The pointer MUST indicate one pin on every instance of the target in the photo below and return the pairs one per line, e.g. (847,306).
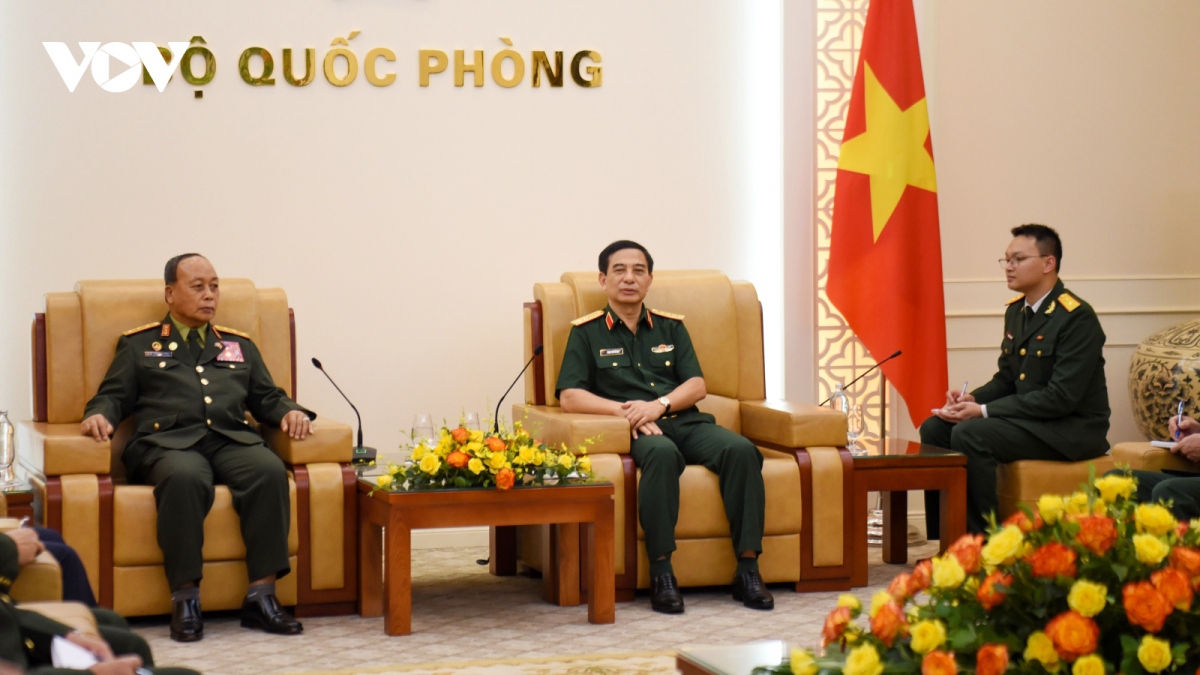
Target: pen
(24,521)
(1179,420)
(963,392)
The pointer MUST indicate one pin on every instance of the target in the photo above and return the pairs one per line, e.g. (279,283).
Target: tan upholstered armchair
(80,486)
(1145,457)
(808,476)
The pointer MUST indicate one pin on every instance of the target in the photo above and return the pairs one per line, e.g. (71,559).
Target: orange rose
(505,478)
(1186,560)
(458,459)
(495,444)
(835,625)
(460,435)
(1022,521)
(922,576)
(1096,533)
(938,662)
(1145,605)
(1052,560)
(991,659)
(1174,586)
(1181,528)
(888,622)
(967,549)
(898,589)
(1073,635)
(988,595)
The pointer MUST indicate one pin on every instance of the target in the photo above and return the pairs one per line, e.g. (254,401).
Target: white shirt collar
(1037,304)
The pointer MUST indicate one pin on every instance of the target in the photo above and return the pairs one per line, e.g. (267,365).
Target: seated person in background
(603,373)
(25,636)
(1179,487)
(1048,399)
(189,384)
(76,587)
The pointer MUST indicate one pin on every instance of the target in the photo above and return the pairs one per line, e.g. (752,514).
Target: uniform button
(208,400)
(1039,353)
(668,363)
(231,366)
(204,381)
(1022,351)
(1022,376)
(199,369)
(245,421)
(651,384)
(162,364)
(639,365)
(209,422)
(614,364)
(156,426)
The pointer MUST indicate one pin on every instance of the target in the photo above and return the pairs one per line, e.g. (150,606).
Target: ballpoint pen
(1179,420)
(963,392)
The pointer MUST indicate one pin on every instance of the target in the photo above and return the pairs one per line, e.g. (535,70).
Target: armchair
(80,487)
(808,475)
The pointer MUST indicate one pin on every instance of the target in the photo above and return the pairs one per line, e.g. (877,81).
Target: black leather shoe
(186,623)
(264,612)
(749,589)
(664,595)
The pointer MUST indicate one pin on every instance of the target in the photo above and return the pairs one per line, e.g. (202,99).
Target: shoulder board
(1019,297)
(232,331)
(1068,302)
(133,331)
(669,315)
(590,317)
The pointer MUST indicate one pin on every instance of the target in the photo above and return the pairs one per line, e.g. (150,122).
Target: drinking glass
(471,421)
(422,430)
(854,427)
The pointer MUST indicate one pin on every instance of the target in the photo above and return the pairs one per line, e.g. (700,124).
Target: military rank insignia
(1068,302)
(662,349)
(231,352)
(158,354)
(619,351)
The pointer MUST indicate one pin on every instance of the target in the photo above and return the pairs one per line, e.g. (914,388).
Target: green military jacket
(607,359)
(1050,379)
(175,398)
(24,636)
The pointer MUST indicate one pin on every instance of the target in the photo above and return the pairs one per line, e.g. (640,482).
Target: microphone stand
(363,456)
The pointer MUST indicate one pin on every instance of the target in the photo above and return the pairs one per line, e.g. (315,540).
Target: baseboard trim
(450,537)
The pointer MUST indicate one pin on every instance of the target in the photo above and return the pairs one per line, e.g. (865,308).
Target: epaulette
(669,315)
(590,317)
(1019,297)
(232,331)
(133,331)
(1068,302)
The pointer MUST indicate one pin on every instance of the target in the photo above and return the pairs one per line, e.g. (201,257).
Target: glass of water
(422,430)
(854,427)
(471,421)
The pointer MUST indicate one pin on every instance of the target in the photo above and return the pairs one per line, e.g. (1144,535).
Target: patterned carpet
(461,613)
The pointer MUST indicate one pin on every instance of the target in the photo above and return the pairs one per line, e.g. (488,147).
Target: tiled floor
(461,612)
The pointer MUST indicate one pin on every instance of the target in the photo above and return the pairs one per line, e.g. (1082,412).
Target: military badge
(662,349)
(231,352)
(166,330)
(158,354)
(1050,309)
(1068,302)
(1008,336)
(619,351)
(156,346)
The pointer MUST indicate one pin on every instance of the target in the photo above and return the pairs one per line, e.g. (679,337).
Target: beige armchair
(1145,457)
(80,486)
(808,476)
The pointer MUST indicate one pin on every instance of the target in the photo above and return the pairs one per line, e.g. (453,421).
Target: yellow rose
(384,480)
(1155,519)
(473,448)
(497,460)
(863,660)
(803,662)
(1039,647)
(566,460)
(1077,505)
(1003,546)
(947,572)
(1111,487)
(585,464)
(539,458)
(1051,508)
(525,456)
(879,600)
(972,584)
(475,465)
(476,436)
(430,463)
(1150,549)
(1087,597)
(1154,654)
(419,452)
(927,636)
(1088,665)
(445,444)
(851,601)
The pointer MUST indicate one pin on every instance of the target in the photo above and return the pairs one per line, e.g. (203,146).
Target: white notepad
(1163,444)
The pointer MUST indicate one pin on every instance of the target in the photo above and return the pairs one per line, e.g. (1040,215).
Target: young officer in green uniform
(638,363)
(189,384)
(1180,488)
(1048,399)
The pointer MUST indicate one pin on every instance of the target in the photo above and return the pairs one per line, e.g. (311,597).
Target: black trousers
(76,587)
(1178,487)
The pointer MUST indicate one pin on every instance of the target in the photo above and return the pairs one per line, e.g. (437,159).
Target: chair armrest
(60,450)
(792,425)
(39,580)
(552,426)
(73,614)
(331,441)
(1145,457)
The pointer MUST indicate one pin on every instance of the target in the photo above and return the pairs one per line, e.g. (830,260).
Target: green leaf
(962,638)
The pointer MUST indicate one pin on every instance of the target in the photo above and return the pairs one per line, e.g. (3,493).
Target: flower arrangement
(471,458)
(1091,583)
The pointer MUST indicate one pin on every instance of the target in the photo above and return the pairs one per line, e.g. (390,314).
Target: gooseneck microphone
(845,388)
(537,351)
(362,455)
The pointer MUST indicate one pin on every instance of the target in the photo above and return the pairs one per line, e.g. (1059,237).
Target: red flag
(885,260)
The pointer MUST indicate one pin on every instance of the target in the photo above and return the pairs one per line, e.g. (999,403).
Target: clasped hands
(642,416)
(110,664)
(295,424)
(1186,435)
(960,406)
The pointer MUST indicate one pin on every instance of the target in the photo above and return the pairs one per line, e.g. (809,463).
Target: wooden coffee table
(731,660)
(893,468)
(388,592)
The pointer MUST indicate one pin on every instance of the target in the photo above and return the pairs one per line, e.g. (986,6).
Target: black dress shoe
(264,612)
(186,623)
(664,595)
(749,589)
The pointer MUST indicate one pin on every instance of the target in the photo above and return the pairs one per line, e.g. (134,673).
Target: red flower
(922,576)
(991,659)
(495,444)
(888,622)
(1145,605)
(987,594)
(938,662)
(460,435)
(1174,586)
(967,550)
(1073,635)
(898,589)
(835,625)
(504,479)
(1053,560)
(1022,521)
(458,459)
(1186,560)
(1096,533)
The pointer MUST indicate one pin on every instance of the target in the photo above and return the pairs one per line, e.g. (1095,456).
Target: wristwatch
(666,402)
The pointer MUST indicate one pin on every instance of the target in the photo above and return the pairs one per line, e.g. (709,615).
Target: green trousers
(183,489)
(692,437)
(1180,488)
(987,443)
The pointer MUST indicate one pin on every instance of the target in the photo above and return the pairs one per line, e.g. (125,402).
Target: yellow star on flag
(891,151)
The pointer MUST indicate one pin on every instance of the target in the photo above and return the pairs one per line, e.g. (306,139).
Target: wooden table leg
(566,556)
(602,586)
(858,576)
(953,514)
(503,545)
(370,566)
(895,527)
(398,578)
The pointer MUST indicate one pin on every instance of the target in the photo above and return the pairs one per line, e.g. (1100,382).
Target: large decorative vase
(1165,369)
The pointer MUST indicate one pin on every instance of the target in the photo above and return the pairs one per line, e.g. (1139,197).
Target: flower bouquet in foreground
(471,458)
(1088,584)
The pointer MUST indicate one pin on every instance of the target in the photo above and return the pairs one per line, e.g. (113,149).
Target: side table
(20,502)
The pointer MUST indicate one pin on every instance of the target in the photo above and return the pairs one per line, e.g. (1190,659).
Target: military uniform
(191,431)
(1048,400)
(607,359)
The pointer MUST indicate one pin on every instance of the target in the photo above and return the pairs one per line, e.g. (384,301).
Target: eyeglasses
(1016,260)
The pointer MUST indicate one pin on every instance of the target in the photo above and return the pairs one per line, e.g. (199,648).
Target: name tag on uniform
(619,351)
(159,355)
(231,352)
(662,349)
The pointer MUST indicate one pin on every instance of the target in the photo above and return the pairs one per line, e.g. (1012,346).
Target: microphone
(845,388)
(537,351)
(362,455)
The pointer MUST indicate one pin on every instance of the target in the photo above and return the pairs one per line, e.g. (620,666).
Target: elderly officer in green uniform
(189,384)
(1048,400)
(638,363)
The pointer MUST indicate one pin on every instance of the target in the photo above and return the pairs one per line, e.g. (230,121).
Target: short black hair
(621,245)
(1048,241)
(171,272)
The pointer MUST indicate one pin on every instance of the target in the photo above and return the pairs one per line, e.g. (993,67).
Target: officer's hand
(96,646)
(296,424)
(29,545)
(1189,427)
(647,429)
(97,427)
(640,412)
(125,665)
(961,411)
(955,396)
(1188,447)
